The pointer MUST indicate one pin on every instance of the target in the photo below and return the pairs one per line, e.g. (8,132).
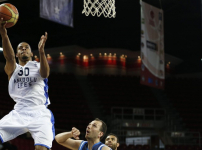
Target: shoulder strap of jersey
(82,145)
(101,146)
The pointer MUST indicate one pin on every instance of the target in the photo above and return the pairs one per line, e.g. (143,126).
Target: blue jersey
(97,146)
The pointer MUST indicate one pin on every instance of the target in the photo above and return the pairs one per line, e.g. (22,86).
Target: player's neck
(91,142)
(22,63)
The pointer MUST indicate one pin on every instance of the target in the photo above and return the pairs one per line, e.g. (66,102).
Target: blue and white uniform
(97,146)
(30,92)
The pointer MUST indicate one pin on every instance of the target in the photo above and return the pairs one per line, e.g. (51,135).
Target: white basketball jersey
(26,86)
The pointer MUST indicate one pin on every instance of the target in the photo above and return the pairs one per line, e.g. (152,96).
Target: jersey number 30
(26,72)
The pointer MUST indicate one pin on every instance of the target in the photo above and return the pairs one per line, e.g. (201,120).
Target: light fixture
(85,57)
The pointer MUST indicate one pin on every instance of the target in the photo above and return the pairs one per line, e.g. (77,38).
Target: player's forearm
(62,137)
(7,48)
(44,66)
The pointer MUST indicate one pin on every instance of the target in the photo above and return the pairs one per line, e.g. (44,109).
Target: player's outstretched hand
(42,42)
(3,27)
(75,133)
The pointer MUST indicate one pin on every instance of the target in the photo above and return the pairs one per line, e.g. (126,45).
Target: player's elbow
(58,139)
(44,74)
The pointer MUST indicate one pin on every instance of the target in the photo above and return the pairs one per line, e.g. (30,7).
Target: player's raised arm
(65,139)
(44,66)
(7,50)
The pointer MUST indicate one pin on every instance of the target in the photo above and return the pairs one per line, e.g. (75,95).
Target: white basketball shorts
(39,121)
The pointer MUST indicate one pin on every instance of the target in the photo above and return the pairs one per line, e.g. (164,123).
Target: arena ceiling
(182,28)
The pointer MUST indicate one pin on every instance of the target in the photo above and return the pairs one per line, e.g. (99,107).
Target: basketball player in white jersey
(28,88)
(95,131)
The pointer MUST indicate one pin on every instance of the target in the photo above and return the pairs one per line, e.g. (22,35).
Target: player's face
(93,130)
(24,52)
(111,141)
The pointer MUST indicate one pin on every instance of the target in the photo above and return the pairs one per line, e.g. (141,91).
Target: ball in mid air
(9,13)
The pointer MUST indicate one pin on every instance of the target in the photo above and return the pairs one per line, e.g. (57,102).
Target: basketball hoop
(99,7)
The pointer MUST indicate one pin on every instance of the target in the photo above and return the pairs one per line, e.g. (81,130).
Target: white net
(99,7)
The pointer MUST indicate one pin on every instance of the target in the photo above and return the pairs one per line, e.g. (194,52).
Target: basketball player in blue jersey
(95,131)
(112,141)
(28,88)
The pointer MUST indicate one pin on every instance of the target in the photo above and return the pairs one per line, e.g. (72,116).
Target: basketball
(9,13)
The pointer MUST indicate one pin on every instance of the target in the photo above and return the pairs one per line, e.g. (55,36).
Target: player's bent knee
(39,147)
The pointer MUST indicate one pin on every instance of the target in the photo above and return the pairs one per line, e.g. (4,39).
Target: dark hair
(114,135)
(23,42)
(103,128)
